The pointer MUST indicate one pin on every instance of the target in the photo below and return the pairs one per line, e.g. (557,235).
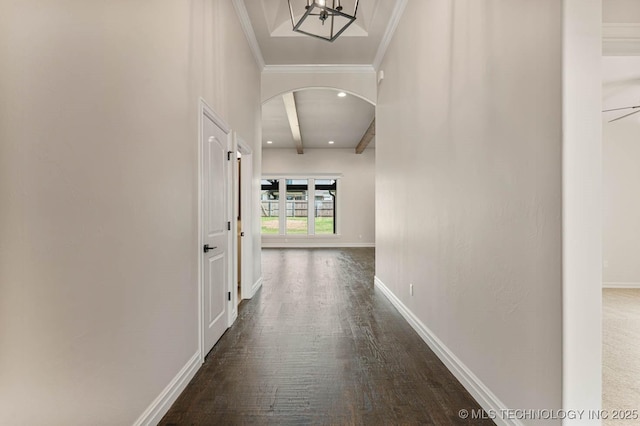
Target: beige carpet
(621,353)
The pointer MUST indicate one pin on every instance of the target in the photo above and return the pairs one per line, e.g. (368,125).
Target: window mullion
(311,207)
(282,205)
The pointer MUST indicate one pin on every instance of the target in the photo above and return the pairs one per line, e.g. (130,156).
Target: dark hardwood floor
(318,345)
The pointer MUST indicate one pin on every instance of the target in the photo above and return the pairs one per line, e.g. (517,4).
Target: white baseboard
(620,285)
(159,407)
(480,392)
(256,286)
(294,244)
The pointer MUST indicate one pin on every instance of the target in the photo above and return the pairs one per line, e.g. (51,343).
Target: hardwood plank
(319,345)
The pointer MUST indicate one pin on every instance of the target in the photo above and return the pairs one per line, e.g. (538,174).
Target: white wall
(469,135)
(98,197)
(621,154)
(621,11)
(356,198)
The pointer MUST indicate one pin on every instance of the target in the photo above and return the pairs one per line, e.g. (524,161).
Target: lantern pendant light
(323,19)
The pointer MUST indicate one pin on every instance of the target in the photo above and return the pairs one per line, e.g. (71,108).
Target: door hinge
(228,226)
(229,296)
(229,155)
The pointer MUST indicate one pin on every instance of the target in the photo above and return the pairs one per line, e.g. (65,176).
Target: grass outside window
(297,225)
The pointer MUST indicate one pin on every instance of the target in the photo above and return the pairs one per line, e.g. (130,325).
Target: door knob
(207,248)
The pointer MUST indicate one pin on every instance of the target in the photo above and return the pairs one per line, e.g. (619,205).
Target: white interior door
(215,238)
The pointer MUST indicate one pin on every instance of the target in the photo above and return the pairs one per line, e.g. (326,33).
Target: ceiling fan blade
(618,109)
(626,115)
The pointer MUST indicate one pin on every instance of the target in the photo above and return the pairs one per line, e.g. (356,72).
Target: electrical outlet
(411,289)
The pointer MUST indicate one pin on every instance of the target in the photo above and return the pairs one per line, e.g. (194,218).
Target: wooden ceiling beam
(367,137)
(292,115)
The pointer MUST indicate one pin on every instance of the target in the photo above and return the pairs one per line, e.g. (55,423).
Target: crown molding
(398,10)
(245,23)
(620,39)
(318,68)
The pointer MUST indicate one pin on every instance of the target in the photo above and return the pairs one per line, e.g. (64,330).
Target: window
(325,206)
(299,206)
(270,201)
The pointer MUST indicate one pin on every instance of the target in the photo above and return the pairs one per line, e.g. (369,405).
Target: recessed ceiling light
(331,142)
(342,95)
(269,142)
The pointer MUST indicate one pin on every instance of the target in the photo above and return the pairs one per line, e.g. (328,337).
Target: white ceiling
(621,11)
(323,117)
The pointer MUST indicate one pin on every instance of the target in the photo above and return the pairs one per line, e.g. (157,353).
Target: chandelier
(331,22)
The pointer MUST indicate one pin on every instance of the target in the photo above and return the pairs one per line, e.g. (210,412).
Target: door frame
(205,110)
(246,282)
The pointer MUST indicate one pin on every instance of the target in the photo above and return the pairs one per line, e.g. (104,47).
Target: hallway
(319,345)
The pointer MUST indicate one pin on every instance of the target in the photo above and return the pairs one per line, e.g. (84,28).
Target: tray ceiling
(280,45)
